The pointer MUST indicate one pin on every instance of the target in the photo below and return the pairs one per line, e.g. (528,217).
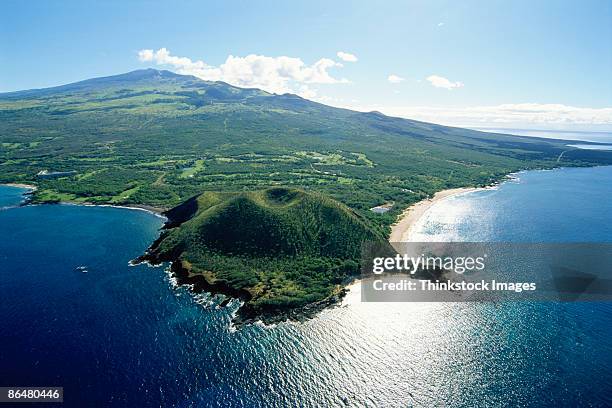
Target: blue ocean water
(11,196)
(127,337)
(561,205)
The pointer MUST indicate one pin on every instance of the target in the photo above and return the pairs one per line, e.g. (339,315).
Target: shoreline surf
(400,231)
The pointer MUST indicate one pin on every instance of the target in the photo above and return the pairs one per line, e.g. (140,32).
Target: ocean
(127,336)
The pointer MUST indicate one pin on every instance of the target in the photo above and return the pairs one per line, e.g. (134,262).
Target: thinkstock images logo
(479,271)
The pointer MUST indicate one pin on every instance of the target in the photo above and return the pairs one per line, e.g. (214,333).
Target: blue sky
(536,64)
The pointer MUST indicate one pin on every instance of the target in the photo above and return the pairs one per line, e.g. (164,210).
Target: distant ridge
(131,77)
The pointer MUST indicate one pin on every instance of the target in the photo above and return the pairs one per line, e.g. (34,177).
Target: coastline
(513,177)
(158,212)
(245,314)
(400,231)
(21,185)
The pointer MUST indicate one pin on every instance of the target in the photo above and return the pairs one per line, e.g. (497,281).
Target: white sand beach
(400,231)
(20,185)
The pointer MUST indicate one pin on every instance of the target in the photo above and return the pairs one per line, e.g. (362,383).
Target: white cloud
(441,82)
(347,57)
(305,92)
(287,74)
(440,24)
(395,79)
(145,55)
(273,74)
(511,115)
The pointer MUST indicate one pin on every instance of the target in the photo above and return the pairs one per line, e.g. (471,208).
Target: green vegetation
(279,249)
(198,165)
(155,138)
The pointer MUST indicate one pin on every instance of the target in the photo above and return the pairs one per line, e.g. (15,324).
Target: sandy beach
(158,212)
(20,185)
(400,231)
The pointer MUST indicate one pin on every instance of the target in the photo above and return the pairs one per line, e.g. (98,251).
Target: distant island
(268,197)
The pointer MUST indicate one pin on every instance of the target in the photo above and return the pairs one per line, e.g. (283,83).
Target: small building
(46,174)
(381,209)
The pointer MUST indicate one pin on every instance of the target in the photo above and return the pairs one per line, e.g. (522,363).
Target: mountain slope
(157,138)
